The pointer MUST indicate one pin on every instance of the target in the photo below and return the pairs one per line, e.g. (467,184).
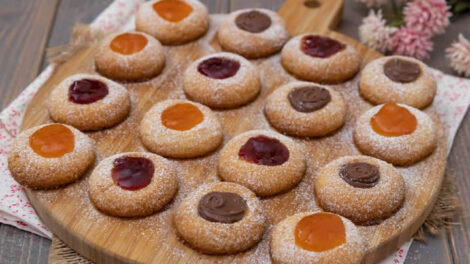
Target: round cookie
(130,56)
(220,218)
(396,133)
(253,33)
(180,129)
(320,59)
(132,184)
(89,102)
(50,155)
(305,109)
(221,80)
(316,238)
(173,21)
(361,188)
(398,79)
(263,161)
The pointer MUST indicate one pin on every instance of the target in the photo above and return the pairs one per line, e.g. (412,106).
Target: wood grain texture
(15,244)
(68,212)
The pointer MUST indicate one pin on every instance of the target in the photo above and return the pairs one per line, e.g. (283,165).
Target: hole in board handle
(312,3)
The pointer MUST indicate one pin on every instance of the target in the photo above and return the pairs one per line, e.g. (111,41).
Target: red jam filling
(321,47)
(132,173)
(263,150)
(87,91)
(218,68)
(52,141)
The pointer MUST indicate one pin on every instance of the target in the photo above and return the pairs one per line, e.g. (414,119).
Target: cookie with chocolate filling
(361,188)
(220,218)
(320,59)
(305,109)
(253,33)
(398,79)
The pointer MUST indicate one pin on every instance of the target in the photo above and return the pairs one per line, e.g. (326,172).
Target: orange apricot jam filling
(128,43)
(393,120)
(320,232)
(183,116)
(52,141)
(172,10)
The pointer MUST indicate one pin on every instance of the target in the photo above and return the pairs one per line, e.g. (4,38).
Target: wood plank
(69,13)
(24,30)
(217,6)
(459,235)
(268,4)
(434,250)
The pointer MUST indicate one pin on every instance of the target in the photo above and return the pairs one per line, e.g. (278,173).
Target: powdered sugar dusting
(156,233)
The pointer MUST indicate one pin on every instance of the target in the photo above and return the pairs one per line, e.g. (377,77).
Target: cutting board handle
(303,16)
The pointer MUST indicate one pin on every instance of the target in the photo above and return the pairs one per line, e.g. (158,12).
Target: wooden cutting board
(68,212)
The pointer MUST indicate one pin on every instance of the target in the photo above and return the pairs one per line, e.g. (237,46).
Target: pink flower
(374,33)
(459,55)
(429,17)
(410,42)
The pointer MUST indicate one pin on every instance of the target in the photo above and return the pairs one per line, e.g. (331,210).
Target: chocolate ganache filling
(360,174)
(309,99)
(401,71)
(222,207)
(253,21)
(87,91)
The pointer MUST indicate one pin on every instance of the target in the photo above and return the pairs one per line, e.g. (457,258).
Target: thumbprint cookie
(398,79)
(263,161)
(49,156)
(320,59)
(132,184)
(361,188)
(173,21)
(253,33)
(220,218)
(305,109)
(316,238)
(89,102)
(396,133)
(130,56)
(180,129)
(221,80)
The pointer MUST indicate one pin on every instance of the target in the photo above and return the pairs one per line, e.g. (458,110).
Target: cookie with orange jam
(180,129)
(316,238)
(49,156)
(130,56)
(396,133)
(220,218)
(89,102)
(320,59)
(132,184)
(264,161)
(173,21)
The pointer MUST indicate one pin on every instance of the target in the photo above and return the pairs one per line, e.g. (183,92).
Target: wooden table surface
(29,27)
